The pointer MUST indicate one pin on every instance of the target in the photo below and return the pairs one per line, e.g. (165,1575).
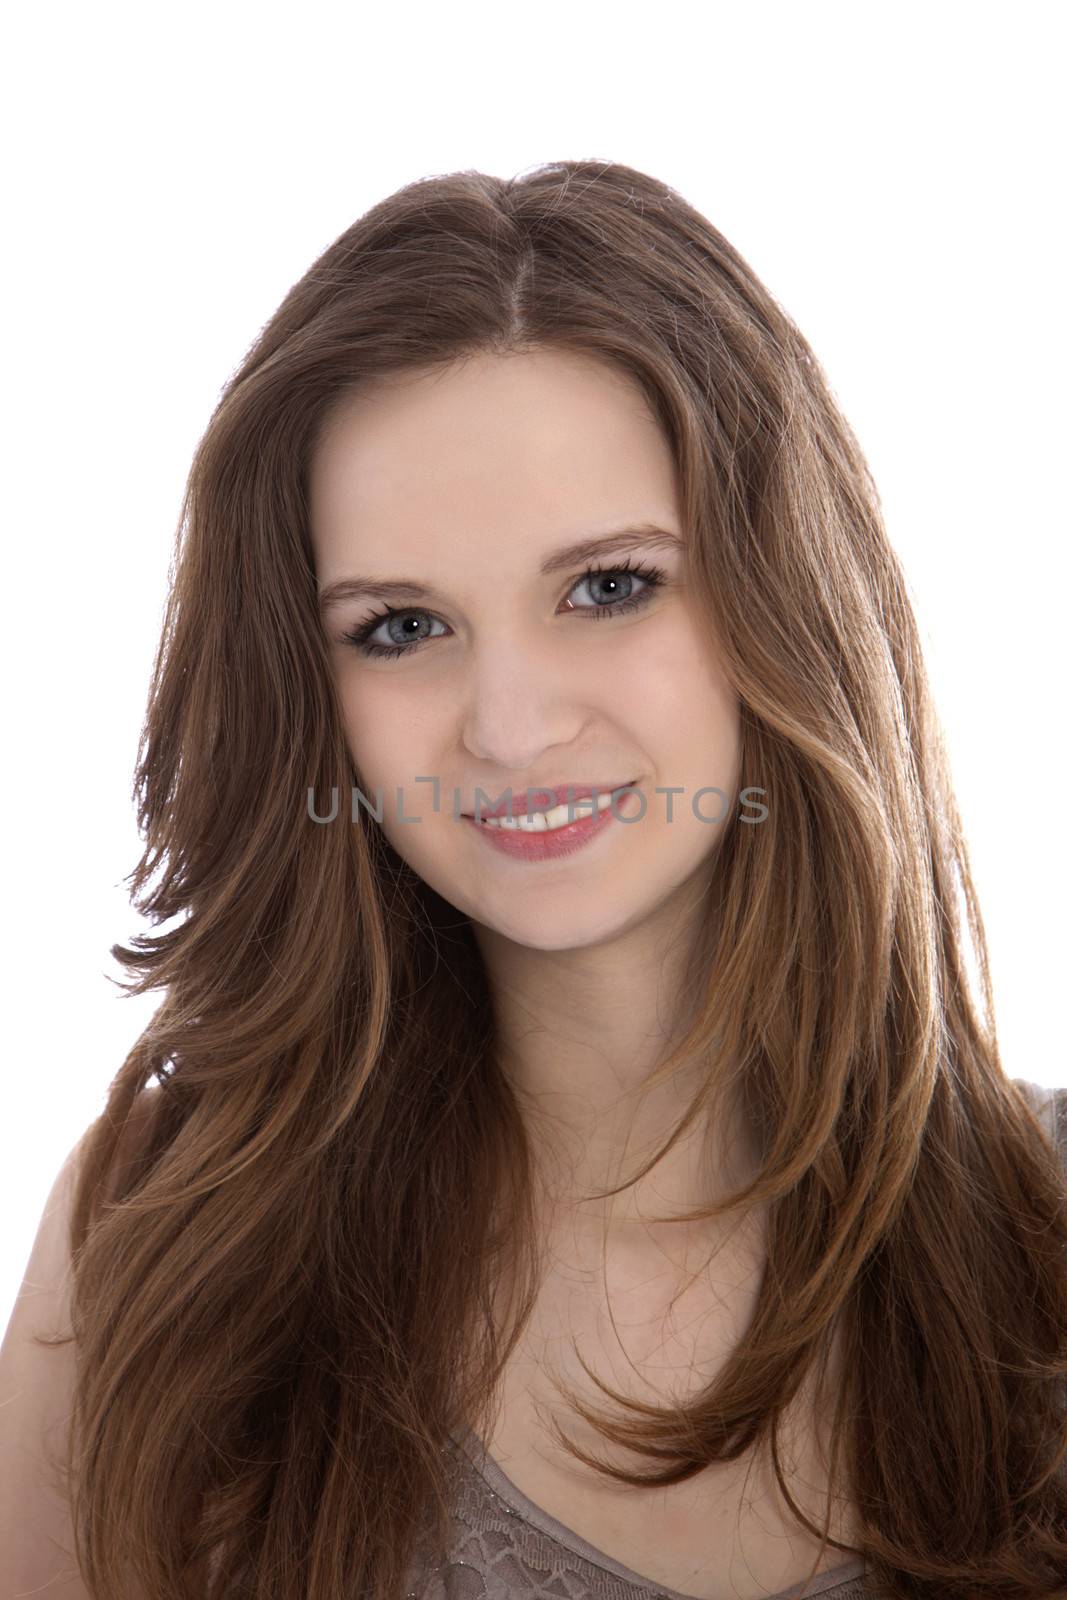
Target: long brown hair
(283,1305)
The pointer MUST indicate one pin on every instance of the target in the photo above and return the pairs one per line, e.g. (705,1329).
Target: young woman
(625,1196)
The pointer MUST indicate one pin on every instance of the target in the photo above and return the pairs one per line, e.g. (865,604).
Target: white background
(892,172)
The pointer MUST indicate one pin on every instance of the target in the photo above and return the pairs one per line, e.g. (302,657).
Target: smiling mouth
(576,808)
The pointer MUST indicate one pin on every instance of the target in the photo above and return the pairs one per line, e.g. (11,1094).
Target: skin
(464,481)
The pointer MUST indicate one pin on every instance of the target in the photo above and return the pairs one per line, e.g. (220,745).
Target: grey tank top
(504,1547)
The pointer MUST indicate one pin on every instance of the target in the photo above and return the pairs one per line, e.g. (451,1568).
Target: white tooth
(556,817)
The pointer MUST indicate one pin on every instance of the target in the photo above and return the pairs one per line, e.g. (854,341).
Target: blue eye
(652,579)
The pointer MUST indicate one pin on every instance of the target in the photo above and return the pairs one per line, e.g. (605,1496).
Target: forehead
(533,447)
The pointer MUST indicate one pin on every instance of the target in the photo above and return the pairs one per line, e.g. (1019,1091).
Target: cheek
(677,700)
(376,732)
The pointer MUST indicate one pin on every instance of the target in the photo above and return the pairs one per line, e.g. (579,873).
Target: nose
(521,700)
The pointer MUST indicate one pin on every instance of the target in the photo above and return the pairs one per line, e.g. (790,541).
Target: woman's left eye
(613,604)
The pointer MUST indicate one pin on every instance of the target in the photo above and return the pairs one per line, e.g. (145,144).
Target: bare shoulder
(37,1385)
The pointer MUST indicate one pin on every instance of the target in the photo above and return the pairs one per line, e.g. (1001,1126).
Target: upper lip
(539,794)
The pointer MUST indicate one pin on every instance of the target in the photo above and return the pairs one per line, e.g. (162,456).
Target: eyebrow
(641,536)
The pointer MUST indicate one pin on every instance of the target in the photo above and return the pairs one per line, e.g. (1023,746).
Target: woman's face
(469,484)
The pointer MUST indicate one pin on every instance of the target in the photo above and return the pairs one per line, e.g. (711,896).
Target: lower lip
(552,843)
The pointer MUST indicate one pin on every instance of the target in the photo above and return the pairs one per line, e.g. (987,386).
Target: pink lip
(559,794)
(550,845)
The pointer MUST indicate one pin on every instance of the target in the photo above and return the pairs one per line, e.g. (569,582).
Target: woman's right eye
(359,636)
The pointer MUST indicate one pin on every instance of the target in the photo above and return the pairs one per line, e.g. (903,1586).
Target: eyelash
(653,577)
